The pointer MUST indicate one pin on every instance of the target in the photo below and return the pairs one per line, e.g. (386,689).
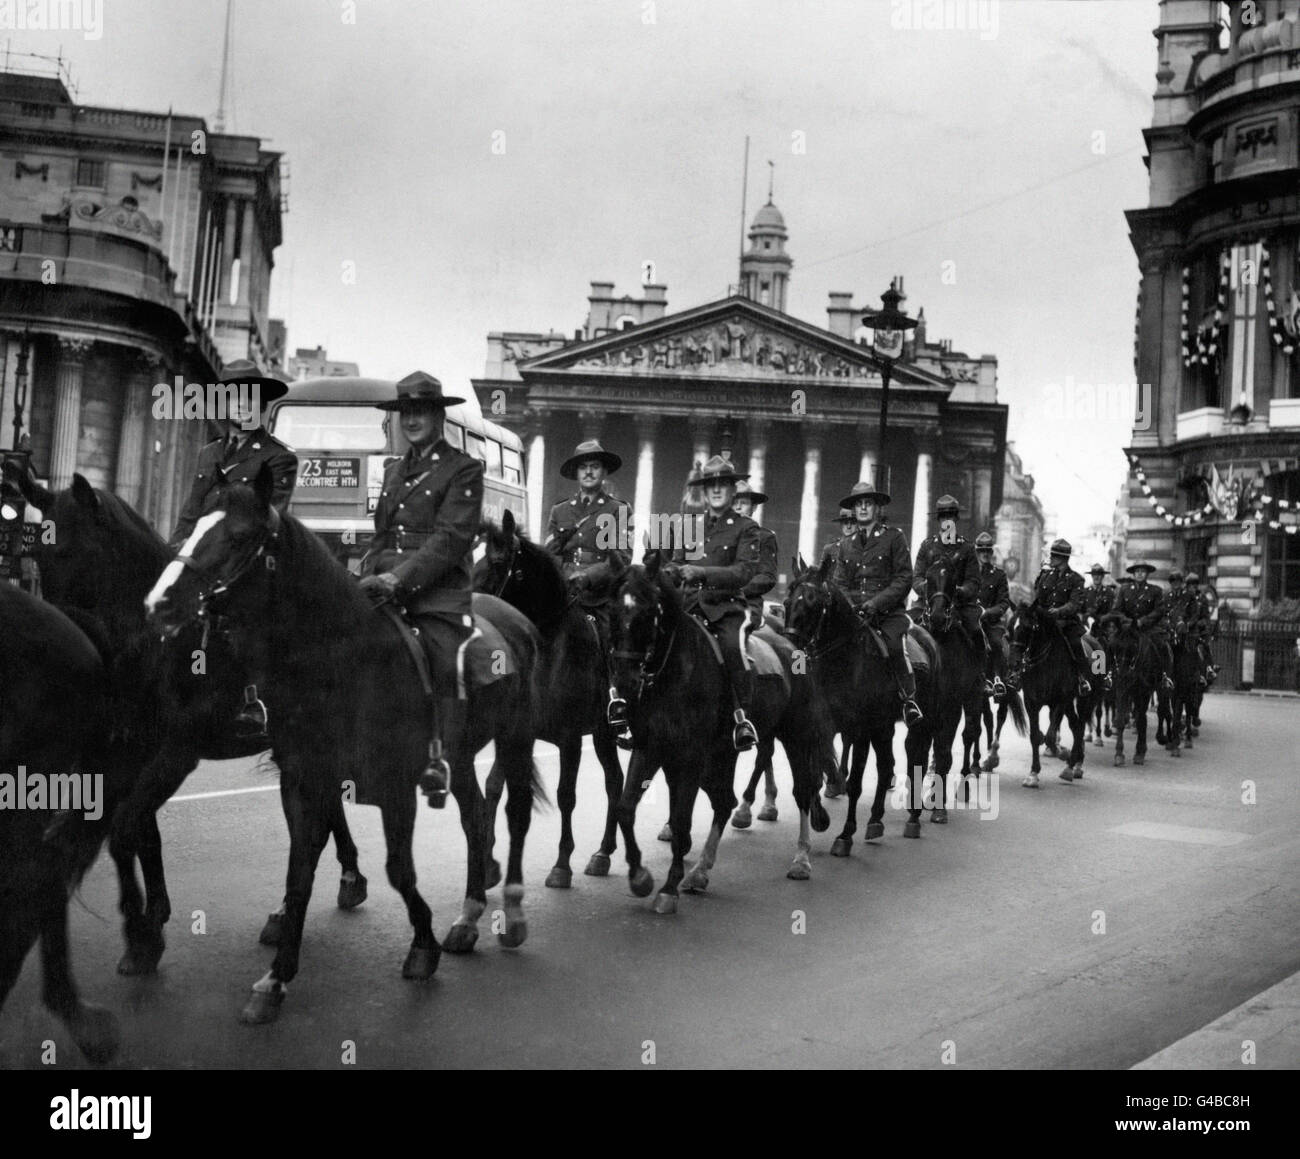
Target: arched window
(625,322)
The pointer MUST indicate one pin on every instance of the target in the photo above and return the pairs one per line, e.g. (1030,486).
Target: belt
(587,555)
(402,538)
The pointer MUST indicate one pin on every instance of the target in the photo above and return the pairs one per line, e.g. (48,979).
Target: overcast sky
(1011,152)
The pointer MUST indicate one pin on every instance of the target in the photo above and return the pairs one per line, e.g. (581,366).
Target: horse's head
(642,618)
(809,599)
(497,572)
(938,594)
(230,547)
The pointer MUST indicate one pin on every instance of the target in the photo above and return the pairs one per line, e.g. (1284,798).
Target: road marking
(226,793)
(1185,833)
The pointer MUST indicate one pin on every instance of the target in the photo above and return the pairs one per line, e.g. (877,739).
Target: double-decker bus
(344,443)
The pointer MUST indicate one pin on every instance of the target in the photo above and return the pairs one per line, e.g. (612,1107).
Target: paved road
(982,940)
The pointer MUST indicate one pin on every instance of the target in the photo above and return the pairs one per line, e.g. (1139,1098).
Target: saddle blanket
(487,658)
(761,650)
(916,654)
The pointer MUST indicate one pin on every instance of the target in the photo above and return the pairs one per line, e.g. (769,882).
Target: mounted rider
(1058,590)
(1182,610)
(768,556)
(419,557)
(959,555)
(1098,597)
(1202,627)
(994,600)
(715,573)
(848,528)
(874,569)
(1144,604)
(587,531)
(236,456)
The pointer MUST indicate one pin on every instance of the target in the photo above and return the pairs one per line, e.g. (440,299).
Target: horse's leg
(917,744)
(399,829)
(463,934)
(970,736)
(995,735)
(607,753)
(1120,695)
(1074,760)
(92,1027)
(352,882)
(1032,709)
(517,755)
(683,785)
(561,875)
(722,796)
(1138,705)
(839,785)
(743,818)
(842,844)
(768,811)
(639,771)
(802,752)
(308,831)
(493,786)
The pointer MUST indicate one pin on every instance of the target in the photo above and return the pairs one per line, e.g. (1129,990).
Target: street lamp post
(889,327)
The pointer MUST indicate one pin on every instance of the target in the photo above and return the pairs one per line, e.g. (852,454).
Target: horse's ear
(508,523)
(264,486)
(803,563)
(824,571)
(653,561)
(616,565)
(84,493)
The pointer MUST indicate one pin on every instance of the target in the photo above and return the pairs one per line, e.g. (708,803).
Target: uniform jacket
(765,577)
(1097,601)
(582,535)
(425,523)
(241,465)
(729,556)
(993,594)
(961,559)
(1061,593)
(875,568)
(1181,606)
(1143,601)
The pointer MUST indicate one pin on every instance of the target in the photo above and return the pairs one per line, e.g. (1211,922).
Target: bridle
(512,571)
(211,587)
(814,650)
(648,672)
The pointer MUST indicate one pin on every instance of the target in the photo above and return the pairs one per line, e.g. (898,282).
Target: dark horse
(854,678)
(174,701)
(1183,702)
(959,693)
(1040,656)
(571,675)
(1136,668)
(54,729)
(348,715)
(680,704)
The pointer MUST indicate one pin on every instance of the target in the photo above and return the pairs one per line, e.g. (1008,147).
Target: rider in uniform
(1059,590)
(1144,604)
(726,560)
(1202,626)
(874,569)
(768,556)
(960,556)
(236,457)
(1098,597)
(848,528)
(426,522)
(586,531)
(994,599)
(1182,609)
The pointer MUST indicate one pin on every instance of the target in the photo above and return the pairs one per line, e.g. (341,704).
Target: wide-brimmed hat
(1060,547)
(591,449)
(717,470)
(983,540)
(1140,564)
(419,390)
(1096,569)
(845,516)
(270,386)
(1175,575)
(1192,578)
(946,503)
(755,497)
(864,490)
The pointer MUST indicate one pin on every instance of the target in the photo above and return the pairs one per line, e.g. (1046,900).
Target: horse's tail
(1016,706)
(541,799)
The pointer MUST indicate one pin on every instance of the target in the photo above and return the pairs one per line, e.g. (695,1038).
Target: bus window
(476,445)
(310,427)
(493,449)
(454,434)
(513,467)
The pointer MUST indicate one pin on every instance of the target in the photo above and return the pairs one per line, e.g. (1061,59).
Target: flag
(1221,496)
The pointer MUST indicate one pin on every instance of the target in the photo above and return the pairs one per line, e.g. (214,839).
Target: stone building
(309,363)
(134,247)
(793,403)
(1214,451)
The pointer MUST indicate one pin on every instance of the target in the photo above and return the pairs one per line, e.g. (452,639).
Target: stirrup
(743,735)
(251,719)
(616,711)
(435,781)
(1166,682)
(1108,682)
(912,713)
(988,687)
(999,689)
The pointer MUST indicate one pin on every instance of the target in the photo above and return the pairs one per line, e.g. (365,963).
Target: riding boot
(448,735)
(902,667)
(251,719)
(1167,666)
(1080,651)
(744,736)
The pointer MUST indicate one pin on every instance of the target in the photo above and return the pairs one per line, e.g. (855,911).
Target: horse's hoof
(742,818)
(1030,782)
(841,846)
(1067,773)
(492,875)
(270,935)
(421,962)
(989,764)
(1078,772)
(641,882)
(1187,743)
(939,817)
(833,791)
(665,903)
(351,894)
(1140,759)
(767,813)
(800,868)
(1120,762)
(666,833)
(911,828)
(875,829)
(139,961)
(1108,732)
(697,881)
(460,938)
(560,877)
(514,935)
(1175,752)
(1099,742)
(598,865)
(262,1008)
(94,1030)
(818,817)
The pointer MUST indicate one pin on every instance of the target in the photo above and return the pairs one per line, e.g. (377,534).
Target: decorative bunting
(1284,335)
(1207,335)
(1192,517)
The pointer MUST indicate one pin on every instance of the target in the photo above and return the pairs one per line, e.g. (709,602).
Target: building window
(1283,571)
(11,240)
(90,173)
(1216,159)
(767,243)
(1243,301)
(1196,554)
(626,322)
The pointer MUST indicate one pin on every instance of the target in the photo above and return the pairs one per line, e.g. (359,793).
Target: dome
(769,217)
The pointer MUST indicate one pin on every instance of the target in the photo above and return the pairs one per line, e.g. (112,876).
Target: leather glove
(690,574)
(380,588)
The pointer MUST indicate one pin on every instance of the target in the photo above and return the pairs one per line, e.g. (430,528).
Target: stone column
(983,514)
(67,410)
(921,500)
(647,425)
(227,252)
(810,502)
(867,461)
(702,438)
(146,370)
(758,434)
(246,255)
(591,423)
(535,437)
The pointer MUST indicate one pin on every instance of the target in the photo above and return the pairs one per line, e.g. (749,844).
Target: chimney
(601,299)
(655,303)
(840,314)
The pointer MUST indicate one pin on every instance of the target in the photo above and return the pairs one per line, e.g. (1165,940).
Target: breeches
(442,636)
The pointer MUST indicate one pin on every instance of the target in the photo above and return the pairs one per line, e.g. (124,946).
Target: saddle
(483,659)
(761,649)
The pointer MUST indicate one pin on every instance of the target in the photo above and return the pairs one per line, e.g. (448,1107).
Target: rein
(265,550)
(648,678)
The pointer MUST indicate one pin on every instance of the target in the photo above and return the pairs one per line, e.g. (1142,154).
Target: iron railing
(1258,654)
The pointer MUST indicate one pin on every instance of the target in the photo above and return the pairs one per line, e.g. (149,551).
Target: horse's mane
(554,591)
(321,581)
